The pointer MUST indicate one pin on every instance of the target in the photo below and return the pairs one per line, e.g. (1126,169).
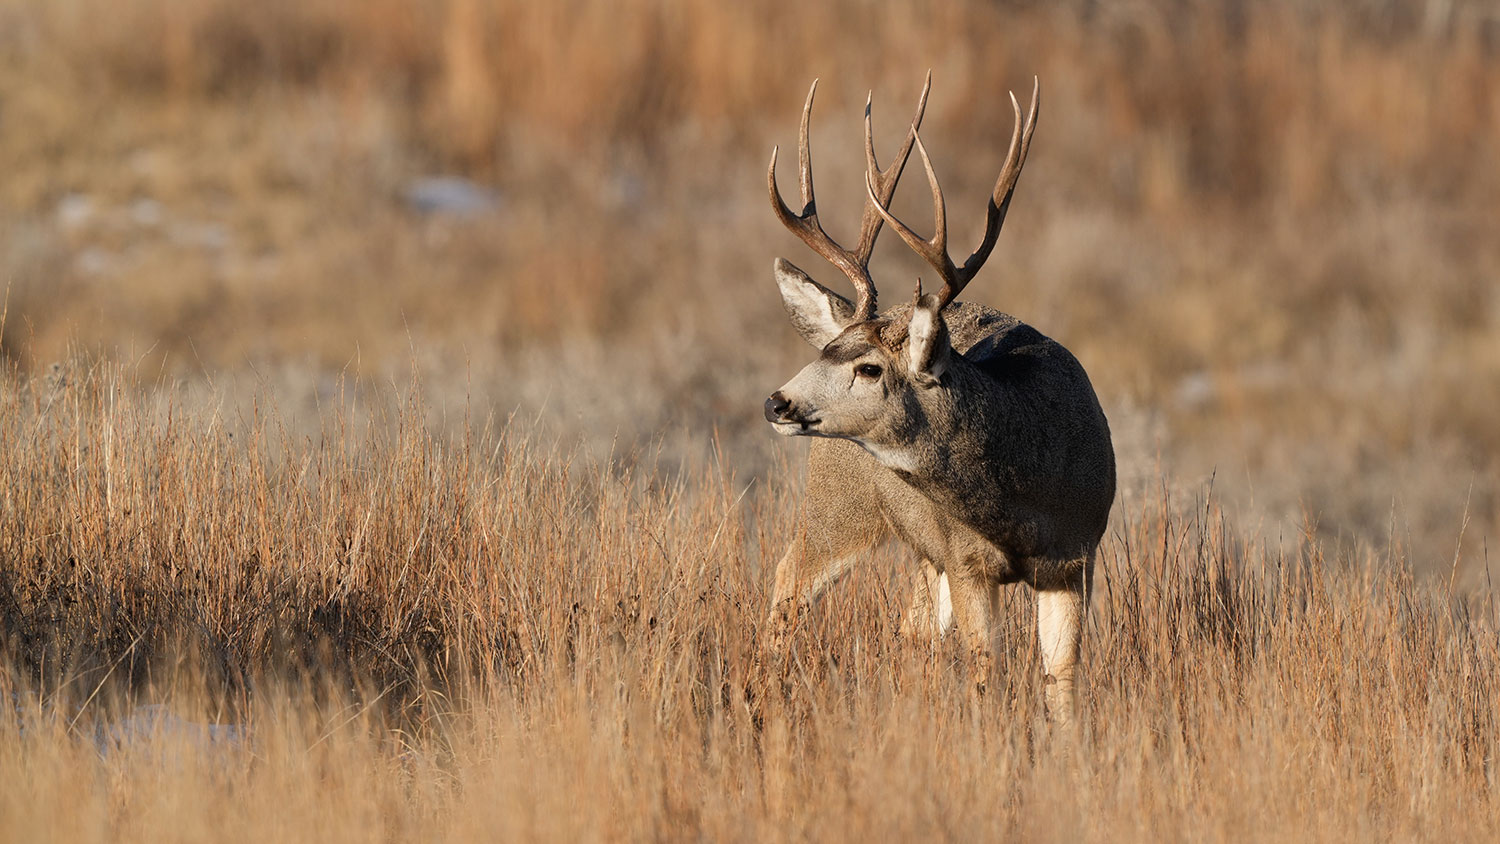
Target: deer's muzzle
(786,418)
(777,408)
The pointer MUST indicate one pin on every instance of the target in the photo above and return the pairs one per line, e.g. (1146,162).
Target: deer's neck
(963,417)
(956,450)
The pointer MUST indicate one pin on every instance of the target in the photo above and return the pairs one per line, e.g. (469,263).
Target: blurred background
(1270,231)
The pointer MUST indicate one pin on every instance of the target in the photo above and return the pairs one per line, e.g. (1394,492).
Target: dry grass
(257,468)
(416,636)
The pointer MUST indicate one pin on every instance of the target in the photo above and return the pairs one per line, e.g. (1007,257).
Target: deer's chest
(940,538)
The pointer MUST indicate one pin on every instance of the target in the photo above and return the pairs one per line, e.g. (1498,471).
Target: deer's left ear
(927,348)
(818,314)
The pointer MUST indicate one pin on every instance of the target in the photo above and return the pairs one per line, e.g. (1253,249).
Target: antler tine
(806,226)
(935,251)
(1005,185)
(885,180)
(804,150)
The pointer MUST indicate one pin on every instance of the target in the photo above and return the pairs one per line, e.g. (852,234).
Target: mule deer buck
(961,430)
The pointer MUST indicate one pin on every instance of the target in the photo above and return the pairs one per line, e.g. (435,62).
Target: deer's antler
(935,251)
(881,185)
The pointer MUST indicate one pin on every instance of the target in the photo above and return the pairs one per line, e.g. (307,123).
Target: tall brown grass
(412,635)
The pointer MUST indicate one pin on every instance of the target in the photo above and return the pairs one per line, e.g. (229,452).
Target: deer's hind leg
(1060,613)
(840,519)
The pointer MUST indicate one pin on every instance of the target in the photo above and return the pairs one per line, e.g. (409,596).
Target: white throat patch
(902,460)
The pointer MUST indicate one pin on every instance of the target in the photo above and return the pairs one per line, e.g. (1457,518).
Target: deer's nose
(777,406)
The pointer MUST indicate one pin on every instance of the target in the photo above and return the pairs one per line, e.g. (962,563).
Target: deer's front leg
(805,571)
(840,519)
(930,614)
(975,621)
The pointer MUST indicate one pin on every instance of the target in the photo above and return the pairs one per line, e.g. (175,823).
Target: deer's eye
(867,370)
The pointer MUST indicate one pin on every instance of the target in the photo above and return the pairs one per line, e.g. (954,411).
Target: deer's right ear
(927,348)
(818,314)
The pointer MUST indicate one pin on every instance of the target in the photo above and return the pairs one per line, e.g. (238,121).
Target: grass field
(328,515)
(414,635)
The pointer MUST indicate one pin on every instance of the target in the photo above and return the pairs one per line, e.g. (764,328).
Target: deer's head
(865,383)
(874,373)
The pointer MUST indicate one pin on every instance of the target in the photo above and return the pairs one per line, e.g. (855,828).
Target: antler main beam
(935,251)
(881,185)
